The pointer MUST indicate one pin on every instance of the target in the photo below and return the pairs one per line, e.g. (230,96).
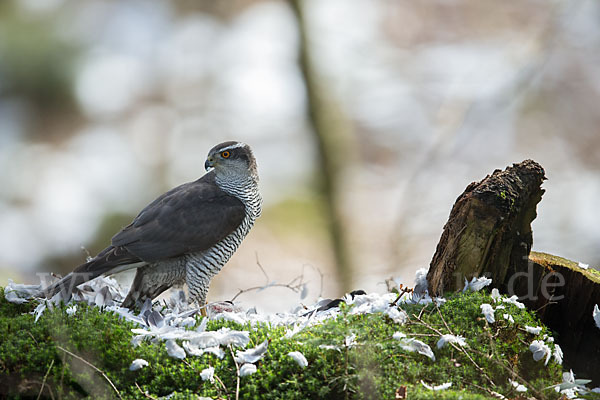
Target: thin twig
(36,342)
(490,391)
(402,293)
(292,285)
(442,318)
(222,384)
(144,393)
(261,268)
(94,367)
(44,380)
(237,368)
(459,348)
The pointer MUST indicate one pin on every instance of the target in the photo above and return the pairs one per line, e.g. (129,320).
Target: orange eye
(225,154)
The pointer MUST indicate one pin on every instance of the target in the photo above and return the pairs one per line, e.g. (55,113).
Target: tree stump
(489,234)
(489,229)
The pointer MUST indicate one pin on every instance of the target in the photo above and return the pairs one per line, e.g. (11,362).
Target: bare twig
(261,268)
(237,368)
(44,380)
(442,318)
(29,333)
(490,391)
(295,285)
(93,366)
(144,393)
(221,383)
(402,293)
(458,348)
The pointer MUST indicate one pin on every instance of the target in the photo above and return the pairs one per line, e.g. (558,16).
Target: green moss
(552,261)
(375,367)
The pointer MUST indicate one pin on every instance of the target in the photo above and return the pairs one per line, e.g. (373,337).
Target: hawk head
(233,160)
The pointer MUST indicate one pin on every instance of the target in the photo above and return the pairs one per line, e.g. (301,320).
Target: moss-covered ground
(81,355)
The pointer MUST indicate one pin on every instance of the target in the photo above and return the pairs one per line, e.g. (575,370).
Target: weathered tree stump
(489,234)
(489,229)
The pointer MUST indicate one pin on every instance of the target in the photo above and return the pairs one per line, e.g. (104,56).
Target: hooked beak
(208,164)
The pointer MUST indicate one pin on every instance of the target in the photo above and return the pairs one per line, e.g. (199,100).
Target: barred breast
(202,267)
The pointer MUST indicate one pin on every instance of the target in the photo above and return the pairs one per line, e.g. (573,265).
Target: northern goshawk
(184,236)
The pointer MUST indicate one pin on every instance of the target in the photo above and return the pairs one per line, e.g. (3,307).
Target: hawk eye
(225,154)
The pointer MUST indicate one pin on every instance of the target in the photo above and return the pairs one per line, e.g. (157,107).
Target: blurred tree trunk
(334,144)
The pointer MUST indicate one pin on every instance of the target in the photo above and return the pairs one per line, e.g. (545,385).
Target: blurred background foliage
(368,119)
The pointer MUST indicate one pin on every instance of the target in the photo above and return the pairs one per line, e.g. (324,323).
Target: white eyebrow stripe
(233,146)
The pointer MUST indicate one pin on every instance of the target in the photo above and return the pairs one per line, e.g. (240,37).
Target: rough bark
(489,228)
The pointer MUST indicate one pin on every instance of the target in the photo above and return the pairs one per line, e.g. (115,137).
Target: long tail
(110,260)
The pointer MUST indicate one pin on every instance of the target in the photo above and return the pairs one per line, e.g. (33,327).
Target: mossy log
(489,229)
(489,234)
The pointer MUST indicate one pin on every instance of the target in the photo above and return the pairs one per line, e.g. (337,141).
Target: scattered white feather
(138,364)
(557,354)
(421,284)
(583,266)
(350,341)
(398,316)
(533,330)
(252,355)
(596,315)
(247,369)
(540,350)
(438,387)
(18,293)
(439,301)
(231,316)
(216,350)
(476,284)
(299,358)
(192,349)
(202,326)
(509,318)
(412,345)
(451,339)
(208,374)
(495,295)
(174,350)
(518,387)
(329,347)
(515,301)
(71,310)
(236,338)
(39,310)
(571,386)
(398,335)
(488,312)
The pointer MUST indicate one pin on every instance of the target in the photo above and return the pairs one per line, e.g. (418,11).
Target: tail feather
(107,261)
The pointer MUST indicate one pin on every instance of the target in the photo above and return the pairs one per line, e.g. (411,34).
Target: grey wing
(190,218)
